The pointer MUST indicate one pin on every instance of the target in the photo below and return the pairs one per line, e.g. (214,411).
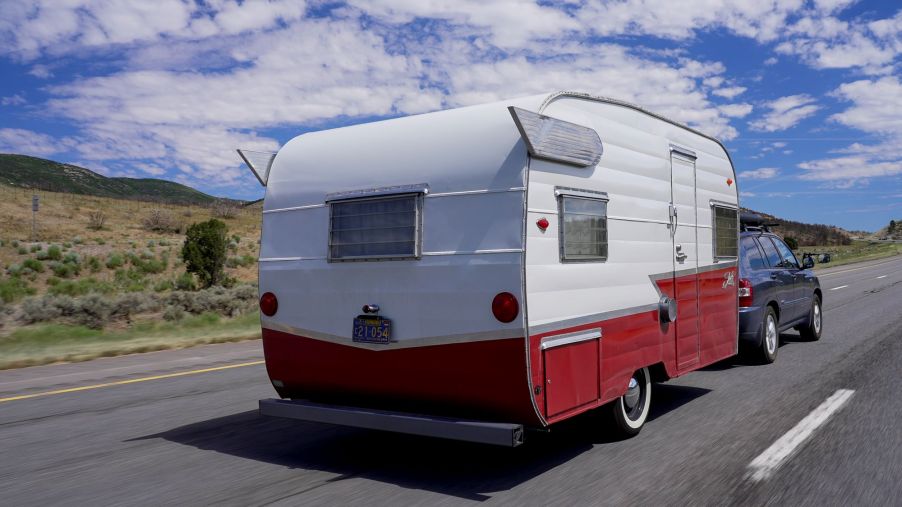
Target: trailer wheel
(811,330)
(631,410)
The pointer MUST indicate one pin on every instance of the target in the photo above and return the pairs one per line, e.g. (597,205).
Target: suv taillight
(746,293)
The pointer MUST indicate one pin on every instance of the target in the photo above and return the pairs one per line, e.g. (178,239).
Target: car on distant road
(776,292)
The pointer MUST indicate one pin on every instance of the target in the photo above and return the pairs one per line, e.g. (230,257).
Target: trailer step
(503,434)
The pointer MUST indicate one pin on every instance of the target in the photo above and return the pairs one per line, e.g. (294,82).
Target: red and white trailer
(473,272)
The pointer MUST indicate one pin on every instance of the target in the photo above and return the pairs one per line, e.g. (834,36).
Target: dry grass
(73,219)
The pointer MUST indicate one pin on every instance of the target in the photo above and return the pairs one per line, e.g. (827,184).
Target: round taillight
(269,305)
(505,307)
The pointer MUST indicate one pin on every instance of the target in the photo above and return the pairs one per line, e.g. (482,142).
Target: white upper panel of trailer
(463,149)
(457,150)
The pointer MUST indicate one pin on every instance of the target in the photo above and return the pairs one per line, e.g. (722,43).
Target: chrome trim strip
(475,252)
(478,192)
(686,152)
(419,188)
(550,342)
(579,192)
(282,259)
(294,208)
(499,334)
(590,319)
(642,220)
(715,202)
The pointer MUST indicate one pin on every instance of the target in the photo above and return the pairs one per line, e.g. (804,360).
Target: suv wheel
(812,329)
(770,337)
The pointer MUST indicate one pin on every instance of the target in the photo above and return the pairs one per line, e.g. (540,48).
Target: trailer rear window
(726,232)
(584,229)
(376,228)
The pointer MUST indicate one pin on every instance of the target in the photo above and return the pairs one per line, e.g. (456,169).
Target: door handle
(774,276)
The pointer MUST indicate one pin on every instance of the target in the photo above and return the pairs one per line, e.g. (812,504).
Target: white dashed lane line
(840,287)
(881,276)
(764,466)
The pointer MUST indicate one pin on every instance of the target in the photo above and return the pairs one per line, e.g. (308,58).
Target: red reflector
(729,182)
(505,307)
(542,223)
(746,292)
(269,305)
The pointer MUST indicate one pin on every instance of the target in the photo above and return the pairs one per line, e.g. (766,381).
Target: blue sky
(807,95)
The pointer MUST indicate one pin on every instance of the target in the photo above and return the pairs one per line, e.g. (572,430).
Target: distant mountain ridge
(33,172)
(808,234)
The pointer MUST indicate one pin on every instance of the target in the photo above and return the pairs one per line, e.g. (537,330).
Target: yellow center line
(129,381)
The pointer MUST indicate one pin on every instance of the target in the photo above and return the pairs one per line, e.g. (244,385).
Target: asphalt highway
(820,426)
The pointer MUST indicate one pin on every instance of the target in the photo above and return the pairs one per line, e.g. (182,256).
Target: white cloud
(764,173)
(13,100)
(730,92)
(876,108)
(735,110)
(785,112)
(29,142)
(40,71)
(771,61)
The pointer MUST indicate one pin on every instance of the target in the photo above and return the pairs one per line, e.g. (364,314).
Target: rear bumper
(503,434)
(750,320)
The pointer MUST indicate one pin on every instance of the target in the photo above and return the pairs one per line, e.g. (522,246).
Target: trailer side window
(726,232)
(376,228)
(583,229)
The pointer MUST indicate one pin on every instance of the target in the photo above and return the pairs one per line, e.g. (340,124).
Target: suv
(776,292)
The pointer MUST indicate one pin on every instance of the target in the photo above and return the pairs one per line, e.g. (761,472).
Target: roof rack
(753,222)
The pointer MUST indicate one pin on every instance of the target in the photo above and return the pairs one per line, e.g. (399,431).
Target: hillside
(32,172)
(886,233)
(808,234)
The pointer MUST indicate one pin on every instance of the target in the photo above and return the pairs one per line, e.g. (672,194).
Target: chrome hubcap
(631,398)
(771,335)
(817,318)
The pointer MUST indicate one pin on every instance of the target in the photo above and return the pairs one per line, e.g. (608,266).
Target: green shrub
(13,289)
(14,270)
(77,240)
(52,281)
(100,241)
(64,270)
(15,243)
(52,253)
(204,251)
(173,313)
(81,287)
(163,242)
(34,265)
(35,248)
(22,250)
(114,261)
(163,285)
(185,282)
(72,258)
(67,245)
(151,243)
(94,264)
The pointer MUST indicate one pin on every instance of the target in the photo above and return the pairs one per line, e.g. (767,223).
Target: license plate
(372,330)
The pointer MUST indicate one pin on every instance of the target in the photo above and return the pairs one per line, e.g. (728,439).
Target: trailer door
(685,256)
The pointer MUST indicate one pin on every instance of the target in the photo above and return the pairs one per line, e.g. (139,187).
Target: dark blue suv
(776,292)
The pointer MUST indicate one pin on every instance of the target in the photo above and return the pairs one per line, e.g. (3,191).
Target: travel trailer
(476,272)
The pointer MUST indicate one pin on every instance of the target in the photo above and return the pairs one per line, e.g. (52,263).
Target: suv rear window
(752,253)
